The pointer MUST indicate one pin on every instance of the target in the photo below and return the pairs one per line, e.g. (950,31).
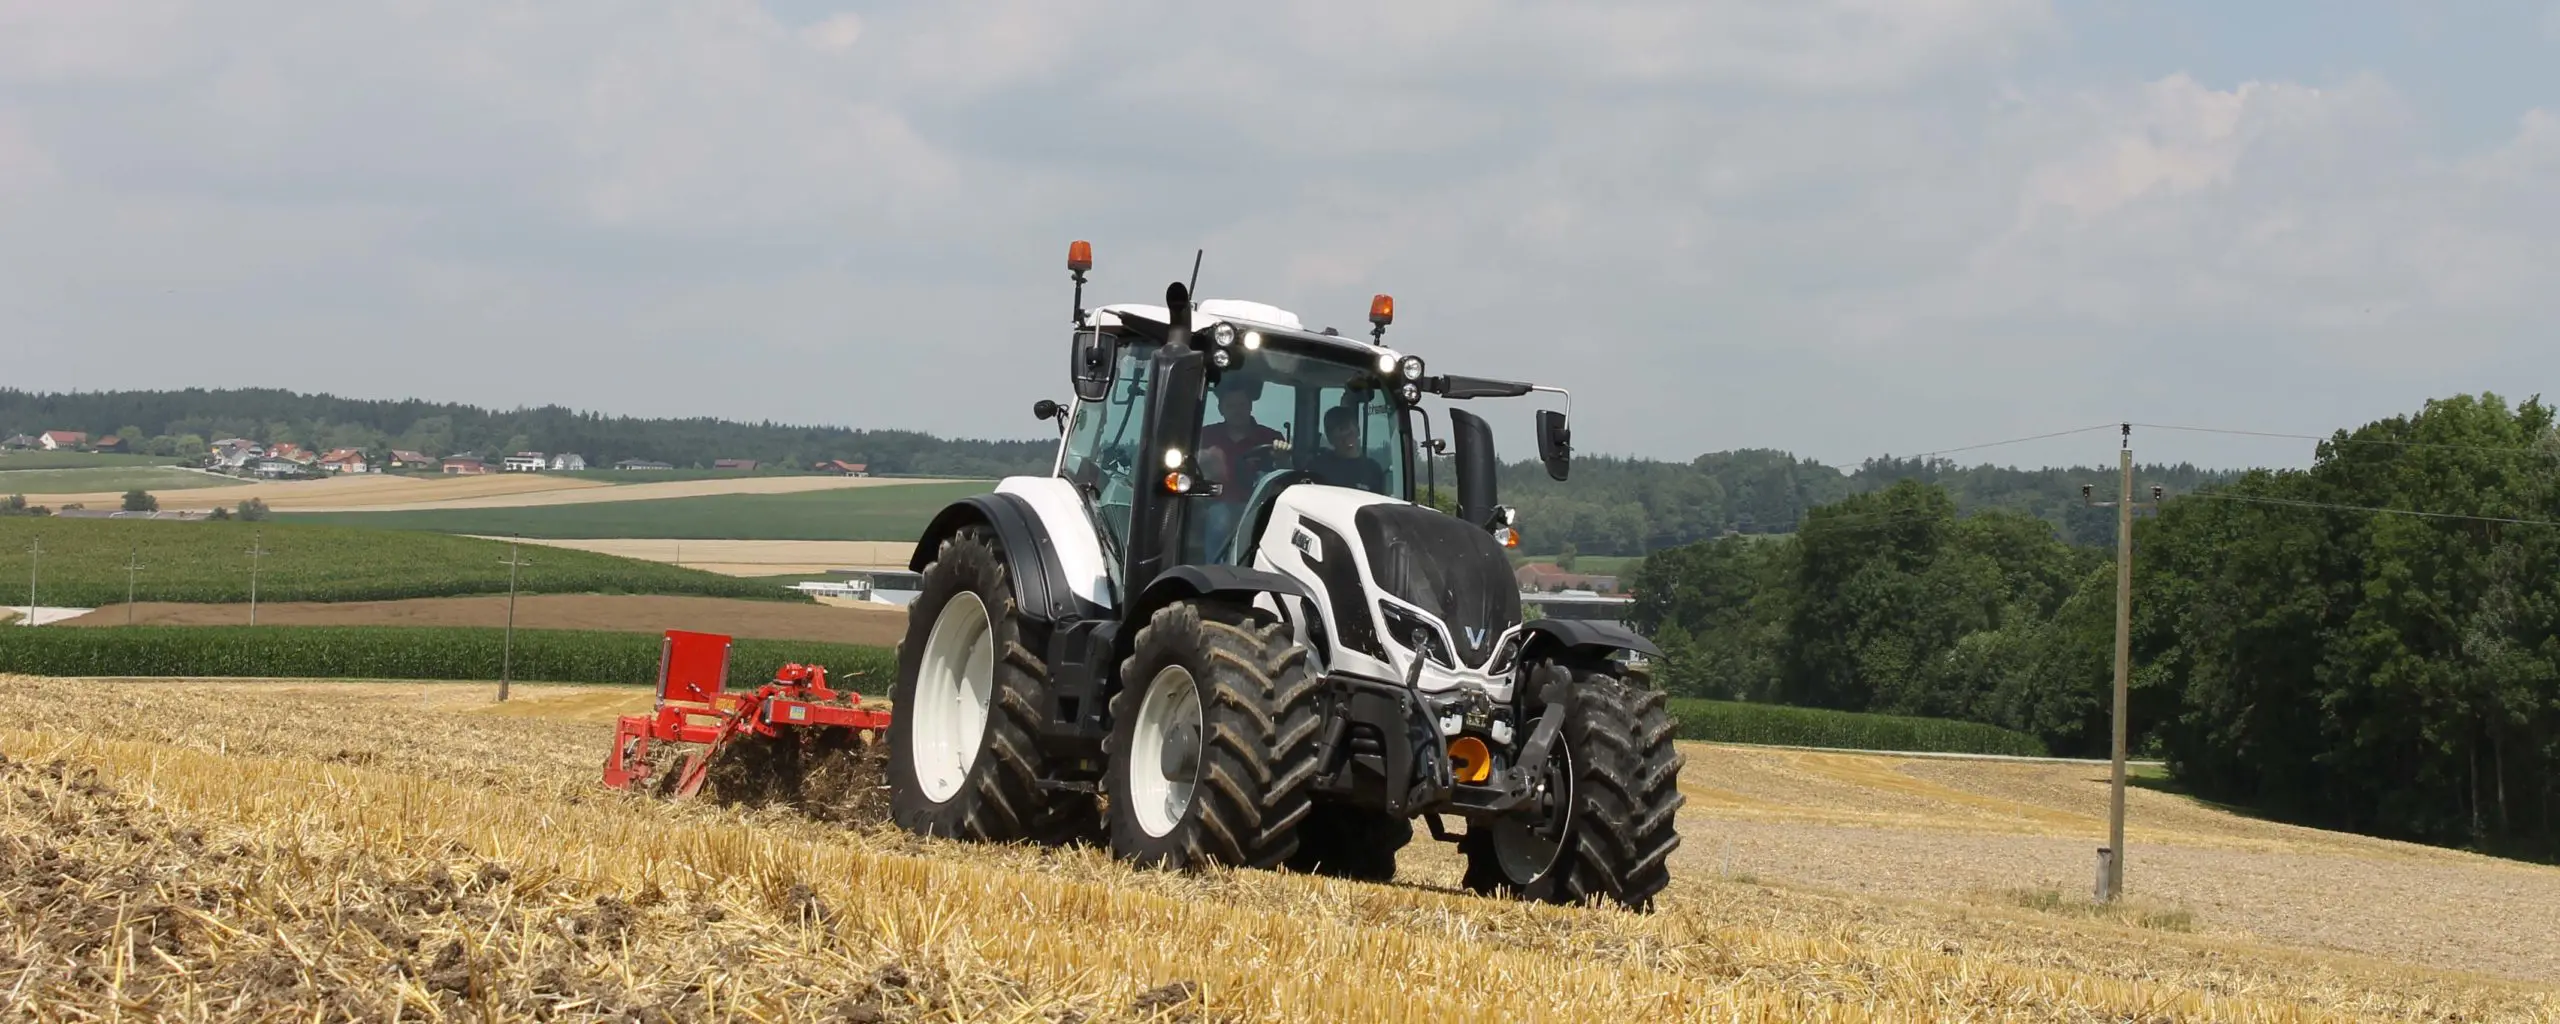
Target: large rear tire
(1213,741)
(1613,832)
(963,758)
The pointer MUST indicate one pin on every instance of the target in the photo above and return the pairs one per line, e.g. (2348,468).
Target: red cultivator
(694,708)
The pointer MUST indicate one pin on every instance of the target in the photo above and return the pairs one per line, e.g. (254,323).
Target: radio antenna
(1194,286)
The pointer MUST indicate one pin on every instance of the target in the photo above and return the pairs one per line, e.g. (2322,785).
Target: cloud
(1828,225)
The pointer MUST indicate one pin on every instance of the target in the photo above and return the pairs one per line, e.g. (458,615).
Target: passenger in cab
(1343,462)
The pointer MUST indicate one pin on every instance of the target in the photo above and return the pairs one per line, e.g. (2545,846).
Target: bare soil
(640,613)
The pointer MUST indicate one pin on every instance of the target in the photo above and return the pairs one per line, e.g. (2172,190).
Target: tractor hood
(1446,568)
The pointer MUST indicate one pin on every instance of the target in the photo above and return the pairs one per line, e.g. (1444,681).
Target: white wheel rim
(955,681)
(1165,751)
(1524,856)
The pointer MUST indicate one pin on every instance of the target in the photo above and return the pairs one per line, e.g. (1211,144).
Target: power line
(2017,440)
(2294,503)
(2349,440)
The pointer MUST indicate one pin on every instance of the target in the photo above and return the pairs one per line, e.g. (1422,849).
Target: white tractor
(1221,631)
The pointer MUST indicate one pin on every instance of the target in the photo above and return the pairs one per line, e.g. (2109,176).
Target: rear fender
(1042,590)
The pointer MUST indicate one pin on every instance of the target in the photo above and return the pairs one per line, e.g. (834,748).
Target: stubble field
(243,850)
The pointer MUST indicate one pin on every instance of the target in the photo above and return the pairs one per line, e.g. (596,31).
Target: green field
(80,460)
(103,478)
(647,476)
(855,513)
(208,562)
(1778,725)
(398,652)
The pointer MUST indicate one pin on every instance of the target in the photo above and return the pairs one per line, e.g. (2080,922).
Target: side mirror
(1555,443)
(1089,365)
(1045,410)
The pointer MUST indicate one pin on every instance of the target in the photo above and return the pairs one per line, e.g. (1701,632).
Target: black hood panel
(1442,565)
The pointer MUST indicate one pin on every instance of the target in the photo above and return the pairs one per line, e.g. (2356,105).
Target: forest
(2372,643)
(181,422)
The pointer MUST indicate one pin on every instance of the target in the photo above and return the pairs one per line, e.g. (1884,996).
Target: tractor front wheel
(1612,790)
(1213,741)
(962,758)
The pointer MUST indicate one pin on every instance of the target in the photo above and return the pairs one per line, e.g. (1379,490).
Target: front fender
(1585,636)
(1042,591)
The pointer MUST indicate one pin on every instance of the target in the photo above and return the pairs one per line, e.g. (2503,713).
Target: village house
(628,464)
(525,462)
(18,441)
(465,464)
(61,440)
(273,468)
(404,459)
(733,464)
(839,467)
(568,462)
(110,444)
(342,460)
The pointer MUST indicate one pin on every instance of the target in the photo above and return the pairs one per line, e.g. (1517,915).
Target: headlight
(1173,458)
(1252,340)
(1401,627)
(1410,392)
(1387,363)
(1223,334)
(1413,367)
(1222,359)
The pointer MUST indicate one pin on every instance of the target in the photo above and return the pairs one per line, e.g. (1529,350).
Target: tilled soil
(642,613)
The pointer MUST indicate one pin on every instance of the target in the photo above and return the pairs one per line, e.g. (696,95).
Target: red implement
(695,707)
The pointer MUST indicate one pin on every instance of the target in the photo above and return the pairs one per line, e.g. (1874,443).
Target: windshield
(1290,415)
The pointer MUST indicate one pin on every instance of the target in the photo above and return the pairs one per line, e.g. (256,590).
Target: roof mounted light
(1387,363)
(1412,368)
(1079,256)
(1382,311)
(1224,335)
(1252,340)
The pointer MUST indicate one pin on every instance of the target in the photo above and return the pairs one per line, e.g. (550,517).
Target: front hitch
(1520,783)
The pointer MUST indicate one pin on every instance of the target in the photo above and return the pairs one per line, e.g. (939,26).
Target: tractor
(1223,631)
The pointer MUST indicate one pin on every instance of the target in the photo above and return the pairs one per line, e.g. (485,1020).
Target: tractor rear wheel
(1213,741)
(1607,831)
(962,758)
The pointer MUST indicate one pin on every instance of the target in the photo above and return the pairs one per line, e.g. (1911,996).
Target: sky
(1843,228)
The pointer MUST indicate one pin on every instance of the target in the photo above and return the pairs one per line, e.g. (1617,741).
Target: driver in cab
(1342,462)
(1237,450)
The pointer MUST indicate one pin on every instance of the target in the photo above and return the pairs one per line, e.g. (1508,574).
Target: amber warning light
(1079,256)
(1382,310)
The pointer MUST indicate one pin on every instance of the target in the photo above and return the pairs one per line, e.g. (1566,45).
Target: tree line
(2370,644)
(182,423)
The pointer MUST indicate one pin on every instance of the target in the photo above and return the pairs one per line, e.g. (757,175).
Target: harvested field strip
(1300,948)
(875,625)
(397,652)
(852,510)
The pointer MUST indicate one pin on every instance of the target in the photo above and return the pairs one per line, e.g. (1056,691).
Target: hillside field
(888,512)
(105,478)
(83,564)
(12,461)
(413,850)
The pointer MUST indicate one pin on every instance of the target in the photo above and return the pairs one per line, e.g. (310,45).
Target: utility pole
(132,565)
(2111,857)
(257,550)
(507,652)
(35,558)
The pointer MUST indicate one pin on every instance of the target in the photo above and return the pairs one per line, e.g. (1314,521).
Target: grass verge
(79,460)
(83,565)
(405,652)
(854,513)
(1779,725)
(41,482)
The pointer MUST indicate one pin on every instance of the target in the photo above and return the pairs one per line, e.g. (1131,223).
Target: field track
(639,613)
(378,492)
(748,557)
(468,843)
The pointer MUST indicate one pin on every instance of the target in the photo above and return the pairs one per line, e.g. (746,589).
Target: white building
(526,462)
(569,462)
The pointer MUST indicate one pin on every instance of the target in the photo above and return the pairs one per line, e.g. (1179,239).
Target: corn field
(1720,721)
(405,652)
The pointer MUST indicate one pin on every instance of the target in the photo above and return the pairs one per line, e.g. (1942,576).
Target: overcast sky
(1838,227)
